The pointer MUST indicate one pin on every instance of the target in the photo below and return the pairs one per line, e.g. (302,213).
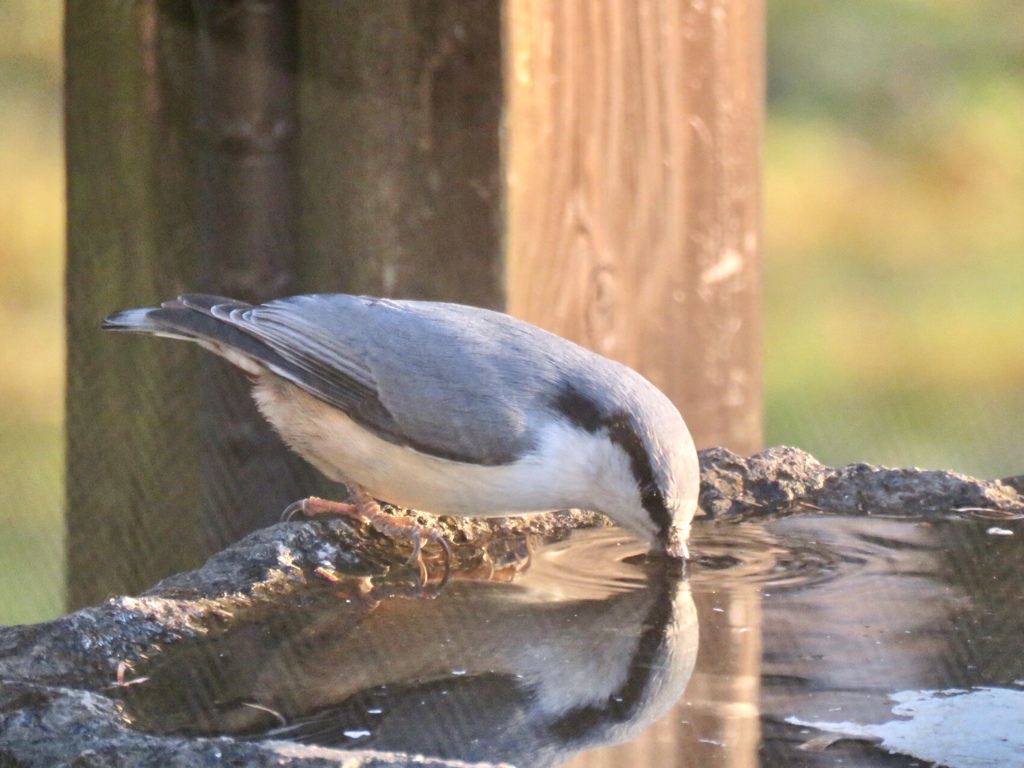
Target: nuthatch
(451,409)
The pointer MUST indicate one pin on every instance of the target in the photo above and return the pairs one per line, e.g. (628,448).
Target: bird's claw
(417,547)
(367,510)
(294,510)
(401,527)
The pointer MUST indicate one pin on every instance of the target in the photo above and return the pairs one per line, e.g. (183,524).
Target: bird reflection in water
(586,647)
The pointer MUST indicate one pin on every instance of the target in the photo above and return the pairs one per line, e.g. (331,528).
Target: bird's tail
(202,319)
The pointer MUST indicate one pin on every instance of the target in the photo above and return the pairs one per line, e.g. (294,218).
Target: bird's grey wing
(208,320)
(415,373)
(329,369)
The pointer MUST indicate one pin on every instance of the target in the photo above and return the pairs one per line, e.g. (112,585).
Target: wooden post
(246,135)
(180,141)
(633,228)
(589,165)
(401,104)
(633,193)
(133,500)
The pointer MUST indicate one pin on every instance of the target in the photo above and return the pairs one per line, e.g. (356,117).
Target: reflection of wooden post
(726,684)
(634,193)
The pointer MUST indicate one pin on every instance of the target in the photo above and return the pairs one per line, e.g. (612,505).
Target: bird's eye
(649,493)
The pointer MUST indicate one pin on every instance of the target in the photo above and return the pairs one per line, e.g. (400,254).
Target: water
(822,641)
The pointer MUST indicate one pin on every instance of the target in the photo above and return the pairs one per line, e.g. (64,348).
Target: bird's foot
(367,510)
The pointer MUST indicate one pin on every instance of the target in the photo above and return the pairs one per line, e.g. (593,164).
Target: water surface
(805,641)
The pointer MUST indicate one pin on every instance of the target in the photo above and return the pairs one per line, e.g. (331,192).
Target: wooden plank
(401,104)
(245,198)
(132,499)
(182,176)
(633,193)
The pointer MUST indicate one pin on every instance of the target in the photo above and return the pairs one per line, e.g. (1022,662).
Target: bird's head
(644,464)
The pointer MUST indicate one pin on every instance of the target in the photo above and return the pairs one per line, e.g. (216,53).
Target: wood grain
(633,192)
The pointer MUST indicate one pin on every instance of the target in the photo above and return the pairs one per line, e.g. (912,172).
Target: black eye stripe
(586,414)
(653,500)
(579,409)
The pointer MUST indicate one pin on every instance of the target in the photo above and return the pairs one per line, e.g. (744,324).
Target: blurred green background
(893,264)
(31,312)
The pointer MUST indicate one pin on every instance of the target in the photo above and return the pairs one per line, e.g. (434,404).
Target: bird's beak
(676,547)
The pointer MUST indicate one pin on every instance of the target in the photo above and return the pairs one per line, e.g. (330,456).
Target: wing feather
(411,372)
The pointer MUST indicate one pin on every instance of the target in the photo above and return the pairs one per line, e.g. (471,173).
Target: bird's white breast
(569,468)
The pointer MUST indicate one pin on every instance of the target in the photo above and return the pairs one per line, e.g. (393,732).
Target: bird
(449,409)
